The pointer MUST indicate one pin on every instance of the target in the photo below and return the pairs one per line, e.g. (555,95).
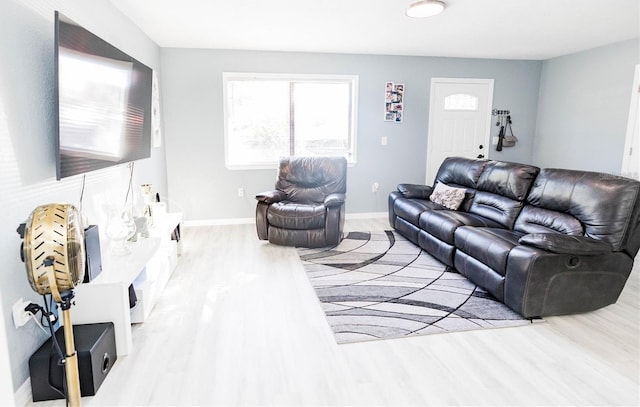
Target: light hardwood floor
(239,324)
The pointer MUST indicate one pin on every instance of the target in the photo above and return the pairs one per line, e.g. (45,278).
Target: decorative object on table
(378,285)
(149,198)
(53,251)
(394,102)
(120,228)
(142,228)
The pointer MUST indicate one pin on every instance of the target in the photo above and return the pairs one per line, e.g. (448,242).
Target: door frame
(632,123)
(487,135)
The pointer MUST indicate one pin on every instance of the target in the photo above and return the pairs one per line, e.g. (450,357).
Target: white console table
(148,267)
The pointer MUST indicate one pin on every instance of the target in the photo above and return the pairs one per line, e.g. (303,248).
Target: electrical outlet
(375,187)
(20,316)
(240,192)
(495,140)
(383,140)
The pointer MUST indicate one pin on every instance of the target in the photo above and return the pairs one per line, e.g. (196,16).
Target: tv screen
(103,102)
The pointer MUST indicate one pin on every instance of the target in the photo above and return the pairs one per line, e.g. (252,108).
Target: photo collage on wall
(394,102)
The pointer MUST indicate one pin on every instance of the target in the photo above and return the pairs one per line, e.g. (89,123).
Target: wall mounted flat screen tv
(103,101)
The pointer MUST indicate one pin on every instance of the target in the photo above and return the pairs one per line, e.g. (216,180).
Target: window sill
(269,166)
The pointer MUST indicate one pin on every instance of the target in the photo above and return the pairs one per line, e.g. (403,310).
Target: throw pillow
(449,197)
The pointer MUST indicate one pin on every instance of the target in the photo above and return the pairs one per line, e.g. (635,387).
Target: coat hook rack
(496,112)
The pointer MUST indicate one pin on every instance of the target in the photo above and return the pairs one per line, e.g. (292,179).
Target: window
(461,101)
(268,116)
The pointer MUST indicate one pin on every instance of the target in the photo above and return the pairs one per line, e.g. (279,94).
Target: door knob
(480,155)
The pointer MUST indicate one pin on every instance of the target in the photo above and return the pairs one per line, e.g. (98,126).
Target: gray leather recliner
(544,241)
(306,209)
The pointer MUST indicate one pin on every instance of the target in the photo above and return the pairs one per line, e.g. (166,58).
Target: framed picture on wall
(394,102)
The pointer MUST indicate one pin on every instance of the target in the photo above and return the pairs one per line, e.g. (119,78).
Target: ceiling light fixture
(425,8)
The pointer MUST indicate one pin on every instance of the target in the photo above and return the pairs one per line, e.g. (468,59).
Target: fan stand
(71,357)
(54,254)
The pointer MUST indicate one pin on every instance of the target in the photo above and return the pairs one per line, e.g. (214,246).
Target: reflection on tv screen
(93,105)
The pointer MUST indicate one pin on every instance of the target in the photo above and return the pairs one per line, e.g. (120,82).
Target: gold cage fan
(54,254)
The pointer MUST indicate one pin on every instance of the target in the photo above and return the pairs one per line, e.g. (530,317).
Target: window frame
(352,80)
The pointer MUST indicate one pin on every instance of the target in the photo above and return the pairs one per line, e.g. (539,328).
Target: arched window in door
(461,101)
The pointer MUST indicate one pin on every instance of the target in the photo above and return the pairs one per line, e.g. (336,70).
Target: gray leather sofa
(544,242)
(306,208)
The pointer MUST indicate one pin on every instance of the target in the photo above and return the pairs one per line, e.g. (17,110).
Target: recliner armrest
(566,244)
(270,197)
(415,191)
(334,200)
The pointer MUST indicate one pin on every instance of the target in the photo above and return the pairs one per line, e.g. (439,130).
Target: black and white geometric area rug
(378,285)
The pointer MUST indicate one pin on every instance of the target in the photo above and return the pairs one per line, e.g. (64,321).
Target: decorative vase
(120,228)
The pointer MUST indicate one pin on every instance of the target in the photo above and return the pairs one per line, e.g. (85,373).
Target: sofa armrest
(541,283)
(566,244)
(334,200)
(415,190)
(270,197)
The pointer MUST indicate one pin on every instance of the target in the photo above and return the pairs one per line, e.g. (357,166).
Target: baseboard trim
(248,221)
(366,215)
(22,396)
(219,222)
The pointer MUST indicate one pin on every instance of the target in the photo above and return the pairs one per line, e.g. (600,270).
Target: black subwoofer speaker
(96,348)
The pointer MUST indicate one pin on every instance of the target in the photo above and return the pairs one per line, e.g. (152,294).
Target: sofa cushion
(310,179)
(291,215)
(459,171)
(410,209)
(424,192)
(449,197)
(490,246)
(540,220)
(496,208)
(437,248)
(502,187)
(480,274)
(506,179)
(604,204)
(443,224)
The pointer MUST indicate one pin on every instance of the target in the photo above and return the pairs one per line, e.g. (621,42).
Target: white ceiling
(511,29)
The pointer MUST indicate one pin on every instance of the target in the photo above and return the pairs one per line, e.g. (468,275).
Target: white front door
(459,120)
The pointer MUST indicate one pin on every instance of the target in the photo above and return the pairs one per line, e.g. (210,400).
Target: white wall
(6,384)
(27,158)
(583,108)
(192,85)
